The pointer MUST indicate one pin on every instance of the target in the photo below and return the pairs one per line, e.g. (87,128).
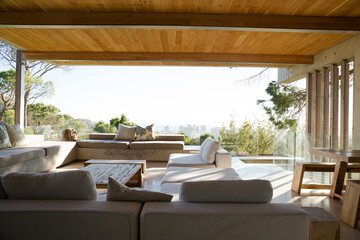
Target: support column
(344,104)
(356,96)
(334,124)
(326,99)
(309,90)
(318,109)
(20,89)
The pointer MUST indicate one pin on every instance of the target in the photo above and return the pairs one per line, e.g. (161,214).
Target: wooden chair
(302,167)
(350,212)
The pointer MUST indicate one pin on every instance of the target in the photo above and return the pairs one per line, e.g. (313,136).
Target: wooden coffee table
(129,174)
(108,161)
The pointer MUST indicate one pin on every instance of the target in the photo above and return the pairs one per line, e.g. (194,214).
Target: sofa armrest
(223,159)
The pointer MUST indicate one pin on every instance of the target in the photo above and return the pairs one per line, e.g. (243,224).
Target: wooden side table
(350,212)
(323,225)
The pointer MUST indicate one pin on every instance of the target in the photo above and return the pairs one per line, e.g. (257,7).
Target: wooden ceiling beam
(180,21)
(168,57)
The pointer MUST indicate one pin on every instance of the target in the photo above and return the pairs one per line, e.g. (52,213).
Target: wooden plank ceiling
(229,47)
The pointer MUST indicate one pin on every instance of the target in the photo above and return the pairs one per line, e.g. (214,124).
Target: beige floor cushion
(103,144)
(182,174)
(157,145)
(12,156)
(188,160)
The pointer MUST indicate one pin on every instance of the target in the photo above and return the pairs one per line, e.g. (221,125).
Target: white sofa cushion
(204,221)
(69,185)
(230,191)
(172,189)
(119,192)
(69,219)
(125,133)
(188,160)
(203,145)
(209,150)
(183,174)
(16,135)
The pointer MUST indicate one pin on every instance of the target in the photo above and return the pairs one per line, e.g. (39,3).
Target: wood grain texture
(350,212)
(318,109)
(120,172)
(160,63)
(335,106)
(348,8)
(142,163)
(326,112)
(170,40)
(180,57)
(349,156)
(180,21)
(345,104)
(309,97)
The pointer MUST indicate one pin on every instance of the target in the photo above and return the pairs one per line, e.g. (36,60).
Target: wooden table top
(120,172)
(350,156)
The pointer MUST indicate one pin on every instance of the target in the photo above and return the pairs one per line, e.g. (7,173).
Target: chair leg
(298,178)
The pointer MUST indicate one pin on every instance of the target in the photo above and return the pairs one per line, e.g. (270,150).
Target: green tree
(7,91)
(102,127)
(35,87)
(251,137)
(78,125)
(9,117)
(123,120)
(285,106)
(188,140)
(204,136)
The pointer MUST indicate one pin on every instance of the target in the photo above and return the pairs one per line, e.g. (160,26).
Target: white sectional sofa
(102,146)
(22,218)
(37,156)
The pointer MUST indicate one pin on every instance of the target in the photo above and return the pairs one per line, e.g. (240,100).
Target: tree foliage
(7,91)
(102,127)
(204,136)
(285,106)
(188,140)
(251,137)
(123,120)
(35,87)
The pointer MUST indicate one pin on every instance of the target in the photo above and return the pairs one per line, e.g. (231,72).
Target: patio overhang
(273,34)
(257,33)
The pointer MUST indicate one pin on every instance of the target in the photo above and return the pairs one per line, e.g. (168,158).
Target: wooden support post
(19,89)
(356,95)
(326,108)
(344,104)
(334,106)
(309,102)
(318,110)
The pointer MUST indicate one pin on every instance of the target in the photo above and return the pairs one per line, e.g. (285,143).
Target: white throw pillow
(209,151)
(67,185)
(120,192)
(227,191)
(16,135)
(145,134)
(125,133)
(4,137)
(203,145)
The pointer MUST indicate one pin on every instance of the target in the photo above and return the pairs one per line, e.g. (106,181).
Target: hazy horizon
(172,96)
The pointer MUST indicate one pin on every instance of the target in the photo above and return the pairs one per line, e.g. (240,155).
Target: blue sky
(162,95)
